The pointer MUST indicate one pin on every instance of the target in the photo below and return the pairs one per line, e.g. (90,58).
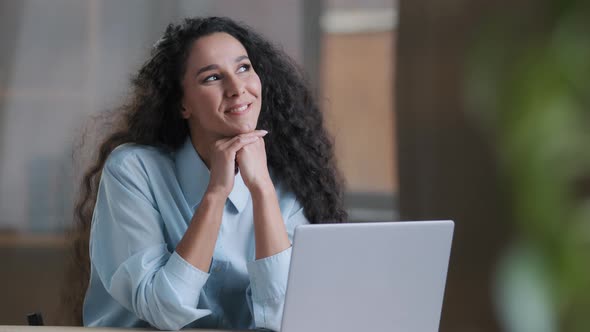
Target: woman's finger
(239,143)
(224,144)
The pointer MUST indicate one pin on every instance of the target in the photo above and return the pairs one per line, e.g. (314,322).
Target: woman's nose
(234,86)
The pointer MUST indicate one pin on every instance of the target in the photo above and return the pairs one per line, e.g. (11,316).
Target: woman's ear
(183,111)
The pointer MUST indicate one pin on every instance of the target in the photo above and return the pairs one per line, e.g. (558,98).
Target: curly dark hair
(299,149)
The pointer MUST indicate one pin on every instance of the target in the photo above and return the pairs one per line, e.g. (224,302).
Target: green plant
(528,83)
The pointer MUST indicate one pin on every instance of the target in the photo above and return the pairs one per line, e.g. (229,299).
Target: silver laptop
(373,277)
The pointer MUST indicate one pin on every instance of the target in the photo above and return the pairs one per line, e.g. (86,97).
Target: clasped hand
(245,152)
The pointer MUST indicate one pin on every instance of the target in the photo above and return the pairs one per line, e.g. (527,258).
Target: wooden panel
(357,75)
(30,281)
(447,165)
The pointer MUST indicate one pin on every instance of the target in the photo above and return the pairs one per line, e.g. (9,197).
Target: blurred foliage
(528,83)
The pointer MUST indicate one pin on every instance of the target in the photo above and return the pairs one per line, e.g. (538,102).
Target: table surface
(25,328)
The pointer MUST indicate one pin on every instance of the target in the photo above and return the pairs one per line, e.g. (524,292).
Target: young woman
(190,209)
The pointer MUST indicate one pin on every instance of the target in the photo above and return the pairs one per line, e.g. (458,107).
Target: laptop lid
(387,276)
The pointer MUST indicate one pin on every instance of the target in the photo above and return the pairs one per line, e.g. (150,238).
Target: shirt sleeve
(268,279)
(130,255)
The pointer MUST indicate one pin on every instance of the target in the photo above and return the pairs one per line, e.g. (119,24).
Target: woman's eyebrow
(214,66)
(241,57)
(207,68)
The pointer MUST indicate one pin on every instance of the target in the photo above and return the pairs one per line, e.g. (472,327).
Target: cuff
(268,276)
(187,278)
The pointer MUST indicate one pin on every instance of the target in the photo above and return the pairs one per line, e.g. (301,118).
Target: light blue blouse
(145,202)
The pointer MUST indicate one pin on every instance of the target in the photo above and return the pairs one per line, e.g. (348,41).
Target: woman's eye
(211,78)
(243,68)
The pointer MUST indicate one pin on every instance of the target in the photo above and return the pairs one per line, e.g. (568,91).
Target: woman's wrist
(262,189)
(215,194)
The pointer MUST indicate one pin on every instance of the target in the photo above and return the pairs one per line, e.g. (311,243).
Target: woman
(190,208)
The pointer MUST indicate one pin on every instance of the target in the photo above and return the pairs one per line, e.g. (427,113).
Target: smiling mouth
(239,110)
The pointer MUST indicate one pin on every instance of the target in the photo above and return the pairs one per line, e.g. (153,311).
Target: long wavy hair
(299,149)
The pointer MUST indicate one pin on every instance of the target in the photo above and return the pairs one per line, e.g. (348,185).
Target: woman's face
(222,92)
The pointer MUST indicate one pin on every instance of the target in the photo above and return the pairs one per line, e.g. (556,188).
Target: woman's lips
(239,110)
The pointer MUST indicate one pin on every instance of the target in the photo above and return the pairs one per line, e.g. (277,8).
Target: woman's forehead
(214,48)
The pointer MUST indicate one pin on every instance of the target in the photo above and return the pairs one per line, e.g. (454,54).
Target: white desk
(25,328)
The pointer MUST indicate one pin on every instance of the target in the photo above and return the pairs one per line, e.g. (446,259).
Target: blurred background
(476,111)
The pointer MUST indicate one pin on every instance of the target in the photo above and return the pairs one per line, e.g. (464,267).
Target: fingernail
(264,131)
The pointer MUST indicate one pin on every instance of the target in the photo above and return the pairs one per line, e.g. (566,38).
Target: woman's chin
(242,129)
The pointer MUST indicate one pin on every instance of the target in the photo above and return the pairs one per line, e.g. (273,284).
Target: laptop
(386,276)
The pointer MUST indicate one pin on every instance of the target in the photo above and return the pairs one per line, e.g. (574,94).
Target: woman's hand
(251,160)
(223,160)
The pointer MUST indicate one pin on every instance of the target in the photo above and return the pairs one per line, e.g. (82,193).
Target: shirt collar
(194,175)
